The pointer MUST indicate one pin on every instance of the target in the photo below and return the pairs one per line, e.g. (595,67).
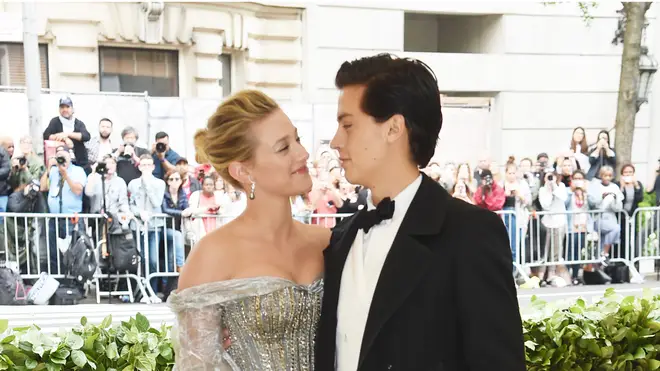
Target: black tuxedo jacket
(445,298)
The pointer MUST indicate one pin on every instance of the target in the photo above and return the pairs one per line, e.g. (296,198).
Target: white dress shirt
(360,277)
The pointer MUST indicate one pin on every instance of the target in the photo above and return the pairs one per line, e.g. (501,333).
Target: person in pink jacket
(489,195)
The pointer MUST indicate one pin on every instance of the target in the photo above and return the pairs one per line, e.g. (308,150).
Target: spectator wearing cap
(190,184)
(71,131)
(165,158)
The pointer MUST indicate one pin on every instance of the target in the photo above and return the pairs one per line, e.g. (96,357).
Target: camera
(33,189)
(101,168)
(22,161)
(124,154)
(489,180)
(551,177)
(161,147)
(60,160)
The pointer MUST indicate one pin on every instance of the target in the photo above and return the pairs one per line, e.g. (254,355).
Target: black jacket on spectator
(5,170)
(598,162)
(79,149)
(174,210)
(128,170)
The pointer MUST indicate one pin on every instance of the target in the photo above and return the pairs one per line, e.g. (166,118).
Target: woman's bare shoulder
(317,236)
(210,260)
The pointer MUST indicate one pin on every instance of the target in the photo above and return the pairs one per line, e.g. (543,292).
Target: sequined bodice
(271,321)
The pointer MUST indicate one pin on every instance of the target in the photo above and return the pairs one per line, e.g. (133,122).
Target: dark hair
(578,171)
(106,119)
(129,130)
(161,135)
(606,133)
(402,86)
(624,167)
(584,148)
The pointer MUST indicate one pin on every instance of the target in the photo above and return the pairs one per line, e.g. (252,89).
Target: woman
(633,194)
(608,198)
(205,203)
(517,198)
(175,204)
(580,149)
(464,174)
(600,155)
(258,277)
(553,196)
(579,222)
(462,192)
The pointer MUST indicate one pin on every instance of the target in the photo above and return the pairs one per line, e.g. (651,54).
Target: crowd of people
(143,184)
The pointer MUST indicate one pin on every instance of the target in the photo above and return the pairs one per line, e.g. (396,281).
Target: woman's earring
(252,189)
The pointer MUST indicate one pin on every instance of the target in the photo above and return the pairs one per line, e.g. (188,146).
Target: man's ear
(396,128)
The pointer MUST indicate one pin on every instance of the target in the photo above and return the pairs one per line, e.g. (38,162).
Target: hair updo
(227,136)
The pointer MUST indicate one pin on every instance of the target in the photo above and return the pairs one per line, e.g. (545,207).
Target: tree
(630,32)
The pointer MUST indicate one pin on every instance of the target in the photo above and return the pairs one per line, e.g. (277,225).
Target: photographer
(489,195)
(128,154)
(116,193)
(27,167)
(552,197)
(65,183)
(27,200)
(164,157)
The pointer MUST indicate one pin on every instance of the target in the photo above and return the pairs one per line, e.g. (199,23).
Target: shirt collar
(402,200)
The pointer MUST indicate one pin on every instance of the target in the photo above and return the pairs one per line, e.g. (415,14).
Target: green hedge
(616,333)
(133,345)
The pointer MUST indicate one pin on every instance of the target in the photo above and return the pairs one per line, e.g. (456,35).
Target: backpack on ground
(124,255)
(80,258)
(12,290)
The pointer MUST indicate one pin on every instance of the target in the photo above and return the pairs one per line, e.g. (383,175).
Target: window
(139,70)
(225,82)
(12,65)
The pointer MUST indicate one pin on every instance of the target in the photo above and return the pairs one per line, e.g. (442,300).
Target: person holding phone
(205,205)
(462,192)
(601,155)
(553,196)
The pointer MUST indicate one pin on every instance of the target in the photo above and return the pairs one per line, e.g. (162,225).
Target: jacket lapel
(408,259)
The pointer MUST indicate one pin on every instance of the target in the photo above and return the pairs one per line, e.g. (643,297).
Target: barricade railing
(33,243)
(546,239)
(573,239)
(644,237)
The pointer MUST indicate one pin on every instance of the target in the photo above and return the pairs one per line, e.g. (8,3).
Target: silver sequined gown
(272,324)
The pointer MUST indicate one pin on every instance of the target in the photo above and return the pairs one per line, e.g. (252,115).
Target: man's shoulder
(466,218)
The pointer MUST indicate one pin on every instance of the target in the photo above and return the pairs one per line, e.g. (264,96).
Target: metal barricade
(34,243)
(558,239)
(644,237)
(517,231)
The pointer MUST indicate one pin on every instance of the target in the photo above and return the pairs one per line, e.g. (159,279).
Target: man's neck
(392,183)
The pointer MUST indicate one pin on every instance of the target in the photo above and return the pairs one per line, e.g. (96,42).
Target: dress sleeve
(197,339)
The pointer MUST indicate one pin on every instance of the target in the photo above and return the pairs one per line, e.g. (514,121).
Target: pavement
(51,317)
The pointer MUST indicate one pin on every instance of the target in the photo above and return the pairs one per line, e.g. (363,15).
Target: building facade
(517,76)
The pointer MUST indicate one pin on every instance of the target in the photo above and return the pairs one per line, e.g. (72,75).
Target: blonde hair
(227,136)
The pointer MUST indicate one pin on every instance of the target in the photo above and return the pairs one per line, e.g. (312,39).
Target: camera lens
(160,147)
(60,160)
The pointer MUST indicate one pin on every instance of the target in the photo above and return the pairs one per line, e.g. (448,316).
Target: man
(146,199)
(65,183)
(116,193)
(101,145)
(28,167)
(412,285)
(128,155)
(164,157)
(71,131)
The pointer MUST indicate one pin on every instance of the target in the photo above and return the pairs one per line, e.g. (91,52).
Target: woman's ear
(239,172)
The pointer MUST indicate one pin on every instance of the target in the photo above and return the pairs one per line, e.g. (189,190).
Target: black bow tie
(383,211)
